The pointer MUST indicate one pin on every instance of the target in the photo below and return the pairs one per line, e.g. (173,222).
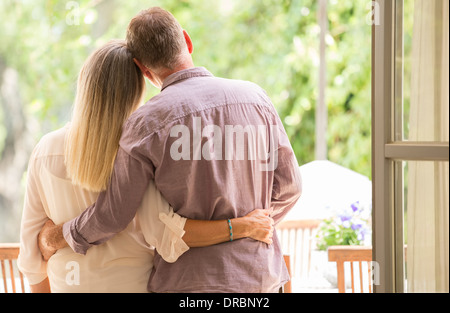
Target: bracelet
(231,229)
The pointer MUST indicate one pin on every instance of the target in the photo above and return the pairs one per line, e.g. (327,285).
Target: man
(209,172)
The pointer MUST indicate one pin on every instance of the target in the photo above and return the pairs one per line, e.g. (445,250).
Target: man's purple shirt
(181,138)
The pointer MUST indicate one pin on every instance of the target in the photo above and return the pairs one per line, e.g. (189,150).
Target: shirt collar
(183,74)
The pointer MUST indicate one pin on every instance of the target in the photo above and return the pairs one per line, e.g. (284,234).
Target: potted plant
(349,226)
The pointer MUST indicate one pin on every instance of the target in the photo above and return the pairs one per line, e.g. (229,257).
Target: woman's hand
(259,225)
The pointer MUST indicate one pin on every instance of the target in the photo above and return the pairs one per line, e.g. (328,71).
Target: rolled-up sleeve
(161,226)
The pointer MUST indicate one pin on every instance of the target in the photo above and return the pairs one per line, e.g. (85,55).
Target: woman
(70,166)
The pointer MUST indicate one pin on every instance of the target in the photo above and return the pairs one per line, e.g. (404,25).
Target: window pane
(426,226)
(408,22)
(422,55)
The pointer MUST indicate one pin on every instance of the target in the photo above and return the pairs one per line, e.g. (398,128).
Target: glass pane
(408,23)
(426,226)
(422,77)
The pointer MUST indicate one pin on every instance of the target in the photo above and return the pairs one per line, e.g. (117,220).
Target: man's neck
(184,66)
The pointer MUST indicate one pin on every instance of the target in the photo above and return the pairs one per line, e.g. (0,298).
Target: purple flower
(361,236)
(355,207)
(345,218)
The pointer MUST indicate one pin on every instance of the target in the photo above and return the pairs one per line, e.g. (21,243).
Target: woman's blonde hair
(110,87)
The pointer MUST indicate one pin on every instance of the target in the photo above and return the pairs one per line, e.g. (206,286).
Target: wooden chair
(288,286)
(351,254)
(297,240)
(9,253)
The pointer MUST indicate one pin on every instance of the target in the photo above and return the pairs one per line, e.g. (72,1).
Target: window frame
(389,150)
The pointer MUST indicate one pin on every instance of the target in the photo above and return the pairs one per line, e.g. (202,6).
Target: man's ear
(189,43)
(145,71)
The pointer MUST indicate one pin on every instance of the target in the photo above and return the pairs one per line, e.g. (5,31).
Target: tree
(273,43)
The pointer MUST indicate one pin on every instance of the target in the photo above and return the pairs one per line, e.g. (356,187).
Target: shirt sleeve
(30,261)
(287,183)
(115,207)
(161,227)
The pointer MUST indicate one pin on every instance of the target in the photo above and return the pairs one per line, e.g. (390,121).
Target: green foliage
(350,227)
(274,43)
(332,234)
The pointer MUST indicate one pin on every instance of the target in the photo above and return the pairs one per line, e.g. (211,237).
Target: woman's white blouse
(122,264)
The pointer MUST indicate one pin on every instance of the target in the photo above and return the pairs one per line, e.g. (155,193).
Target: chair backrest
(288,286)
(297,240)
(9,253)
(352,254)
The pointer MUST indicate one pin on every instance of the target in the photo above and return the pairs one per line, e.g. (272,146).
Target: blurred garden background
(274,43)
